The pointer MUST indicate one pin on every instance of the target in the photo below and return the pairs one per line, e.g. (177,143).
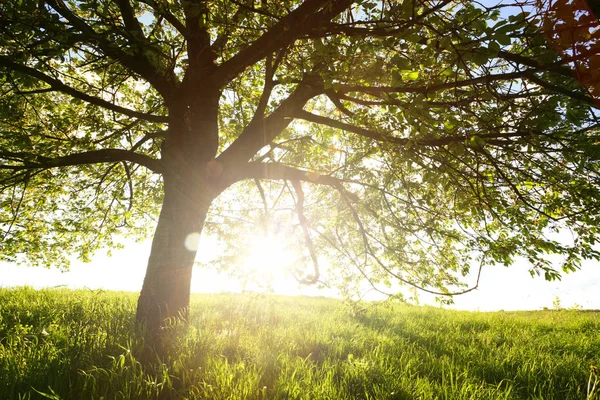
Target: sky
(500,288)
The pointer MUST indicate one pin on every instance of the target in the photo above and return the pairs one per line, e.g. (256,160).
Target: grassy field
(63,344)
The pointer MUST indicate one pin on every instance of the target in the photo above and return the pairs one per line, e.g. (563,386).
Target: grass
(63,344)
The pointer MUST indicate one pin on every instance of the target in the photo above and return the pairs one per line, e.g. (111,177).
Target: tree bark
(166,289)
(189,189)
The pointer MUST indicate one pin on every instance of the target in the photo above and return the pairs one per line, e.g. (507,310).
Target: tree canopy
(401,142)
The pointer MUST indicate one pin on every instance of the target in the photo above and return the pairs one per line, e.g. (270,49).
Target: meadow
(63,344)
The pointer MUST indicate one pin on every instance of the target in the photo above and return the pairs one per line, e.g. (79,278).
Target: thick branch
(137,63)
(283,172)
(277,171)
(34,161)
(162,11)
(131,23)
(557,89)
(337,101)
(450,103)
(58,85)
(564,71)
(310,14)
(444,141)
(486,79)
(201,55)
(378,31)
(270,68)
(262,131)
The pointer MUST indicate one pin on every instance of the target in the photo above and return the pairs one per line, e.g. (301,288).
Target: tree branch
(137,62)
(386,31)
(58,85)
(254,9)
(261,191)
(557,89)
(267,89)
(309,14)
(131,23)
(177,24)
(337,101)
(223,38)
(279,171)
(516,58)
(276,171)
(201,55)
(370,252)
(486,79)
(309,244)
(33,161)
(262,131)
(489,137)
(16,209)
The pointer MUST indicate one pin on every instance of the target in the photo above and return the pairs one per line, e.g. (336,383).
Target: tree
(413,141)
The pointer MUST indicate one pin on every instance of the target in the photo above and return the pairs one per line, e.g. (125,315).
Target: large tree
(406,142)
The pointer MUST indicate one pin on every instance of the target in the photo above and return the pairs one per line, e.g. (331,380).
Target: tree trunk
(189,189)
(166,290)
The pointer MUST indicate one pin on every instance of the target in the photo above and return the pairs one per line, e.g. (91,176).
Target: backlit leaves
(456,135)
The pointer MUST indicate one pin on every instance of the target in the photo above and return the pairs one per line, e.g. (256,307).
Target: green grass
(83,345)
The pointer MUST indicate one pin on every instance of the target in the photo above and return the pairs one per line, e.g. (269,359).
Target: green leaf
(476,142)
(493,47)
(409,75)
(502,38)
(480,58)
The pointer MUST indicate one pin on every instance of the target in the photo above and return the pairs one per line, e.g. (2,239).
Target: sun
(268,262)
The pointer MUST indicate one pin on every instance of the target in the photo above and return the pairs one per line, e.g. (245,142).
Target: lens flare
(192,241)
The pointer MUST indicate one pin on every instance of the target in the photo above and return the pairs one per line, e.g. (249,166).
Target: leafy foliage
(431,137)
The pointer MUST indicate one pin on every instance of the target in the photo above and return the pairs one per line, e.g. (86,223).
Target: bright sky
(500,288)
